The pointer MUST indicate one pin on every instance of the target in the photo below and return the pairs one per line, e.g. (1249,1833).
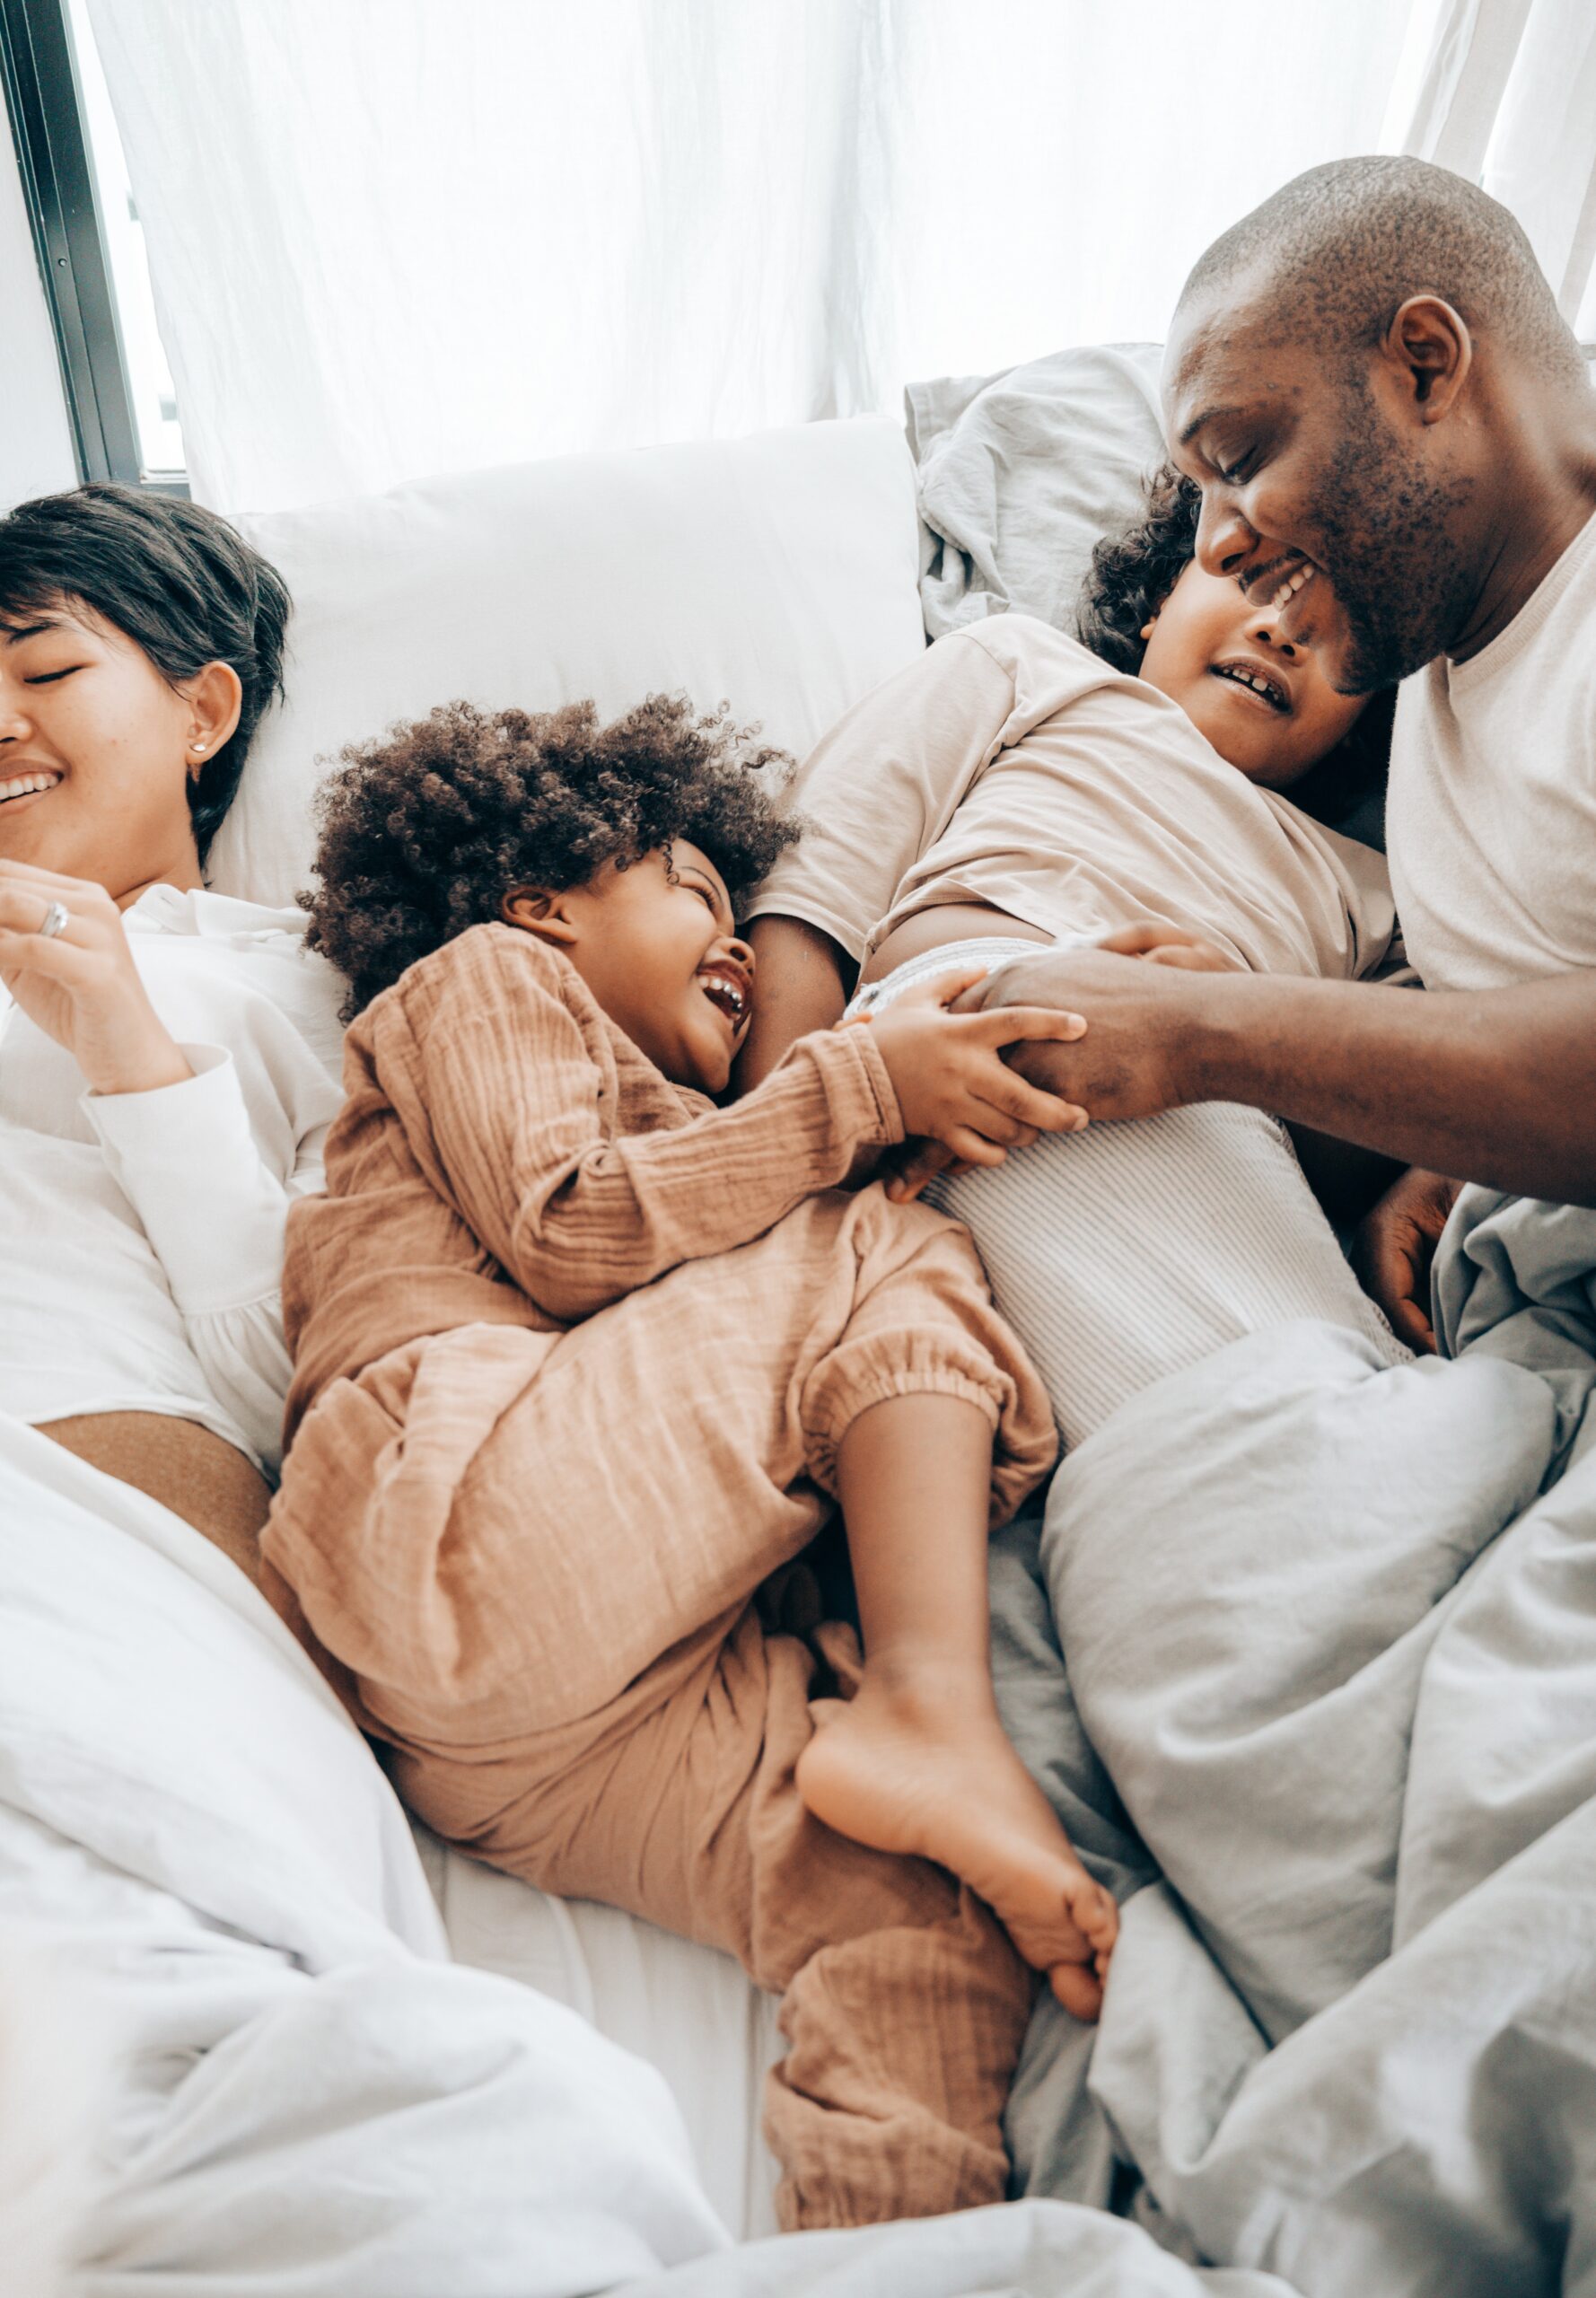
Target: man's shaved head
(1333,254)
(1371,381)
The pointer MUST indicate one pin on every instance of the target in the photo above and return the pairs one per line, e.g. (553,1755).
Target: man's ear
(535,910)
(1428,343)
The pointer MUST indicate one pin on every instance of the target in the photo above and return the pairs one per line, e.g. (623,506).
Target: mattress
(688,2010)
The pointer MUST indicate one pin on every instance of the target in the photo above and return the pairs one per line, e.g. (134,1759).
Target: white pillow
(776,573)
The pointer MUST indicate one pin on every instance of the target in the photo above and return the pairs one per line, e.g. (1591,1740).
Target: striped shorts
(1131,1250)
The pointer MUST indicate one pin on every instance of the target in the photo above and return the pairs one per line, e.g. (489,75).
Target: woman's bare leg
(918,1760)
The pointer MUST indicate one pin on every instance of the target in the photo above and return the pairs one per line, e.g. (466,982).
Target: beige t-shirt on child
(1491,819)
(1011,766)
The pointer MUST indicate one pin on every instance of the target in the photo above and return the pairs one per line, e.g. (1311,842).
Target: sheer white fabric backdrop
(1508,97)
(397,237)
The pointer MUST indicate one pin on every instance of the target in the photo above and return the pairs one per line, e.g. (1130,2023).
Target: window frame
(43,104)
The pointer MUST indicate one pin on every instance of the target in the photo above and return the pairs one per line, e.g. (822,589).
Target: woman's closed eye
(52,678)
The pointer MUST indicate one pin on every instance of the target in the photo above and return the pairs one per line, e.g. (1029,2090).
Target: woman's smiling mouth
(33,784)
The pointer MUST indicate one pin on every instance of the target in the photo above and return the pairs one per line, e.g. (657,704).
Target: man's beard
(1389,548)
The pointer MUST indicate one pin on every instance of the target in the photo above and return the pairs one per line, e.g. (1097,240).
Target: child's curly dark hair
(1133,574)
(426,830)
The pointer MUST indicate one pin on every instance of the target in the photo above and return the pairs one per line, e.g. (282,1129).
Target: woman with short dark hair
(169,1062)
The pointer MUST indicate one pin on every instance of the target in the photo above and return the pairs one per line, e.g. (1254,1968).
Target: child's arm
(489,1071)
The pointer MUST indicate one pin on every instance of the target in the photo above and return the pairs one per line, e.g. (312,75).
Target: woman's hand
(953,1085)
(1394,1247)
(80,986)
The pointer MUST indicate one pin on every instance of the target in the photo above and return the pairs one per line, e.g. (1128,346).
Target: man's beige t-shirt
(1011,766)
(1491,819)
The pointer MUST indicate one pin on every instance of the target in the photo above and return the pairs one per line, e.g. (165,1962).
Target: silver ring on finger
(54,921)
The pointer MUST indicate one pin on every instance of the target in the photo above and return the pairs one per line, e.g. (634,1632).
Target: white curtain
(1508,98)
(395,237)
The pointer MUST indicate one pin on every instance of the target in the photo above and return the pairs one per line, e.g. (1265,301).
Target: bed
(1350,2040)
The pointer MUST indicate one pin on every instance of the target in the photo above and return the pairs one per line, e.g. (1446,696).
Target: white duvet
(306,2097)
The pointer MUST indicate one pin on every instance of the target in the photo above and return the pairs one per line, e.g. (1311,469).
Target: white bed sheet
(690,2012)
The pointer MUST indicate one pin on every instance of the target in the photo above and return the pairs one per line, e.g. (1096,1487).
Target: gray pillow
(1019,474)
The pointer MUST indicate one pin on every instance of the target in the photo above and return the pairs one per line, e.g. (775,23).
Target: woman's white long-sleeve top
(141,1234)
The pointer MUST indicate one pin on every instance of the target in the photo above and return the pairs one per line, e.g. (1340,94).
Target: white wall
(35,439)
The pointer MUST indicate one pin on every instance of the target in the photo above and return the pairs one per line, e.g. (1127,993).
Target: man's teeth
(22,786)
(1292,583)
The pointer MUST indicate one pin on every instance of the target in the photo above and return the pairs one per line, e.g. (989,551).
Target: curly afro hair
(1133,574)
(424,831)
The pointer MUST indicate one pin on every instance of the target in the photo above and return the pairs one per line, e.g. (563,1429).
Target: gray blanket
(1019,474)
(1332,1630)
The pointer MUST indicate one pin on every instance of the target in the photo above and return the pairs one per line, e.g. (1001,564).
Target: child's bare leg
(918,1760)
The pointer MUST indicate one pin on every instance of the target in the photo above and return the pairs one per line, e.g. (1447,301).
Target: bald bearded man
(1395,435)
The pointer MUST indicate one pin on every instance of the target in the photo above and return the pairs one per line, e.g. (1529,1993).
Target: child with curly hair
(581,1360)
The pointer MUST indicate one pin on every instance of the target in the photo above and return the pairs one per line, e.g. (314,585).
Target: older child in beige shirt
(1016,787)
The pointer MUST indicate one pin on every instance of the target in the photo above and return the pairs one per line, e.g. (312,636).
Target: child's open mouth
(729,990)
(1266,686)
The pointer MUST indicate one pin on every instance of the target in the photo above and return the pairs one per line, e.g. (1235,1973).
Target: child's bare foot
(925,1768)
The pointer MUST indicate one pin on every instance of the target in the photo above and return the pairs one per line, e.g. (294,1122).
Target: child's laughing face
(656,943)
(1262,698)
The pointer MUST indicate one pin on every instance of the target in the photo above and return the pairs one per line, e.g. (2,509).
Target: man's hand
(1140,1016)
(1394,1247)
(948,1070)
(1130,1061)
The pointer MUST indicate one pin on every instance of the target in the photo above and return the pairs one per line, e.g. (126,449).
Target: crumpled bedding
(1333,1631)
(306,2098)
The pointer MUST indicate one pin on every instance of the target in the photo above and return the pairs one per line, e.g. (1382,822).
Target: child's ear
(1147,628)
(535,910)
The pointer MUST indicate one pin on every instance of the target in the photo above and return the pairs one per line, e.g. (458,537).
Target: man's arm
(1495,1085)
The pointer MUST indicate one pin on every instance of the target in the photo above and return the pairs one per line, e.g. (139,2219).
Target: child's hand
(951,1081)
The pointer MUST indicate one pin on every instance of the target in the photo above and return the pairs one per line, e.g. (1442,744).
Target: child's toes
(1078,1990)
(1095,1915)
